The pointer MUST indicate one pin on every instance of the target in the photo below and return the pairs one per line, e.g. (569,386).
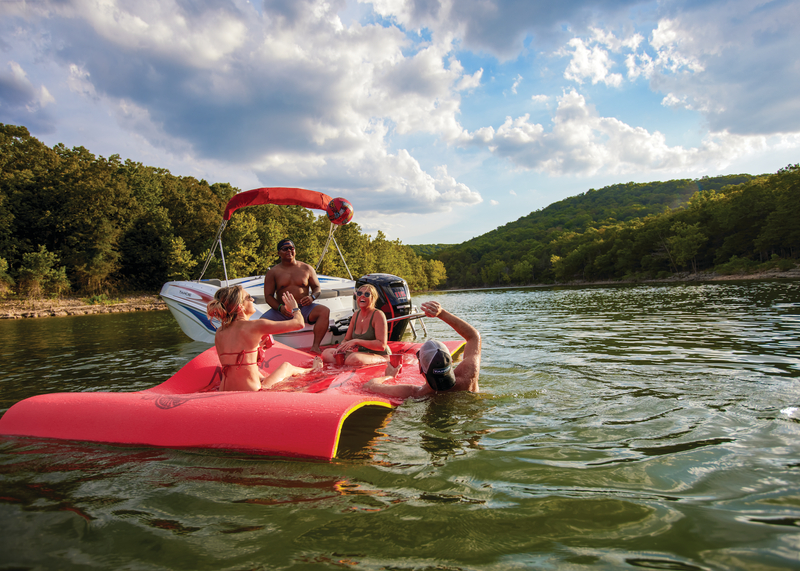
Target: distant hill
(527,238)
(428,251)
(618,202)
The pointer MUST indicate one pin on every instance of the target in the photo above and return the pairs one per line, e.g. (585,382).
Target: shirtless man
(436,364)
(299,279)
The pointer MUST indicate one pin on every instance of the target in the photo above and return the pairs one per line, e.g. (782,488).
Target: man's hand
(431,308)
(389,373)
(393,371)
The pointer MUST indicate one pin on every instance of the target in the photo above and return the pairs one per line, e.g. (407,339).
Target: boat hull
(187,302)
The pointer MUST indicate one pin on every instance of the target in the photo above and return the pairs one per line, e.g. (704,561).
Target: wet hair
(373,294)
(225,305)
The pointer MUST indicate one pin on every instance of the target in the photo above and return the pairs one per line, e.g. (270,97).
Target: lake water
(618,428)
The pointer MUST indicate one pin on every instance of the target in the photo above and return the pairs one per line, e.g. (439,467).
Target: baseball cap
(436,364)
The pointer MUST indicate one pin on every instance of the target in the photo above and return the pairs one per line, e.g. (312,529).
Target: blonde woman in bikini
(365,342)
(238,340)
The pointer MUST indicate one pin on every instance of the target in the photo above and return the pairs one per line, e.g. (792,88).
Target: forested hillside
(71,221)
(428,251)
(639,231)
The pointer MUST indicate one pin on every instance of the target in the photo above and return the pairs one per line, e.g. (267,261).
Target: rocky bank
(24,308)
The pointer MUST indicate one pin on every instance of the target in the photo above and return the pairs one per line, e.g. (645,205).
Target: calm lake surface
(618,428)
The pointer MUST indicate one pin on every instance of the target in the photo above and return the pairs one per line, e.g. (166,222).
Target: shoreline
(682,277)
(70,306)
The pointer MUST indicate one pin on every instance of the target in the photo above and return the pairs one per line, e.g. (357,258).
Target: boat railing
(341,325)
(411,318)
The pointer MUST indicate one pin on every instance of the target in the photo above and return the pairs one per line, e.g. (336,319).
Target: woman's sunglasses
(362,293)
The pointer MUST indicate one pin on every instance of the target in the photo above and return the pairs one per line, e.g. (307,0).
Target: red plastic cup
(395,359)
(339,357)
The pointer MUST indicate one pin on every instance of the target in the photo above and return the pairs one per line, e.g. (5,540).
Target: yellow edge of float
(347,414)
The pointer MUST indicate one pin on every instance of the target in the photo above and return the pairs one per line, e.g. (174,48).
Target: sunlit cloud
(407,107)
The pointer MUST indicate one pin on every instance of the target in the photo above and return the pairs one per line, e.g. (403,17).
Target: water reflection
(619,427)
(452,424)
(118,352)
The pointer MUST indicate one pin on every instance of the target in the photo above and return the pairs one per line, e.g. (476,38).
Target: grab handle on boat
(409,316)
(340,327)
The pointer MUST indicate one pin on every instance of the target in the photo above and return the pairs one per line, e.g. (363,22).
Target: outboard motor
(394,299)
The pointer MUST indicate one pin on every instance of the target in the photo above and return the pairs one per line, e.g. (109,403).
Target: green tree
(558,268)
(40,273)
(686,242)
(357,250)
(180,260)
(737,219)
(389,259)
(495,273)
(522,272)
(781,229)
(83,213)
(145,184)
(195,210)
(242,245)
(6,281)
(145,250)
(24,161)
(436,273)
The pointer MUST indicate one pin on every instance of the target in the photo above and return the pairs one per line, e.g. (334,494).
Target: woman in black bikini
(366,337)
(238,340)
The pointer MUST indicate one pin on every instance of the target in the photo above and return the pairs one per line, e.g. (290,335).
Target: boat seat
(324,294)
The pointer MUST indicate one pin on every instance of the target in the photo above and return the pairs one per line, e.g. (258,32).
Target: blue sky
(440,120)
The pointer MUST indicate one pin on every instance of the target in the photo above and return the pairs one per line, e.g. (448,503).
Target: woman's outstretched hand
(288,301)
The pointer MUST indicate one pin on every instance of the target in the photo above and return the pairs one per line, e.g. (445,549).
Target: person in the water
(436,363)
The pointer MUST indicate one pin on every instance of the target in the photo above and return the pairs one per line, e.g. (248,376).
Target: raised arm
(267,327)
(467,331)
(468,370)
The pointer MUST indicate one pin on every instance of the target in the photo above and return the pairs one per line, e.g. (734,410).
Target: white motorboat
(187,300)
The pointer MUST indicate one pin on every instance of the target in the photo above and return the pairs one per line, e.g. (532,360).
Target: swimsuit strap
(240,355)
(261,355)
(239,352)
(369,333)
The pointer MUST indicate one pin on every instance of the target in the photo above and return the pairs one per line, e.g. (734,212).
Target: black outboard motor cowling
(394,299)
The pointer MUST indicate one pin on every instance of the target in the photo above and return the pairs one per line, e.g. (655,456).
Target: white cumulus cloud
(590,63)
(581,142)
